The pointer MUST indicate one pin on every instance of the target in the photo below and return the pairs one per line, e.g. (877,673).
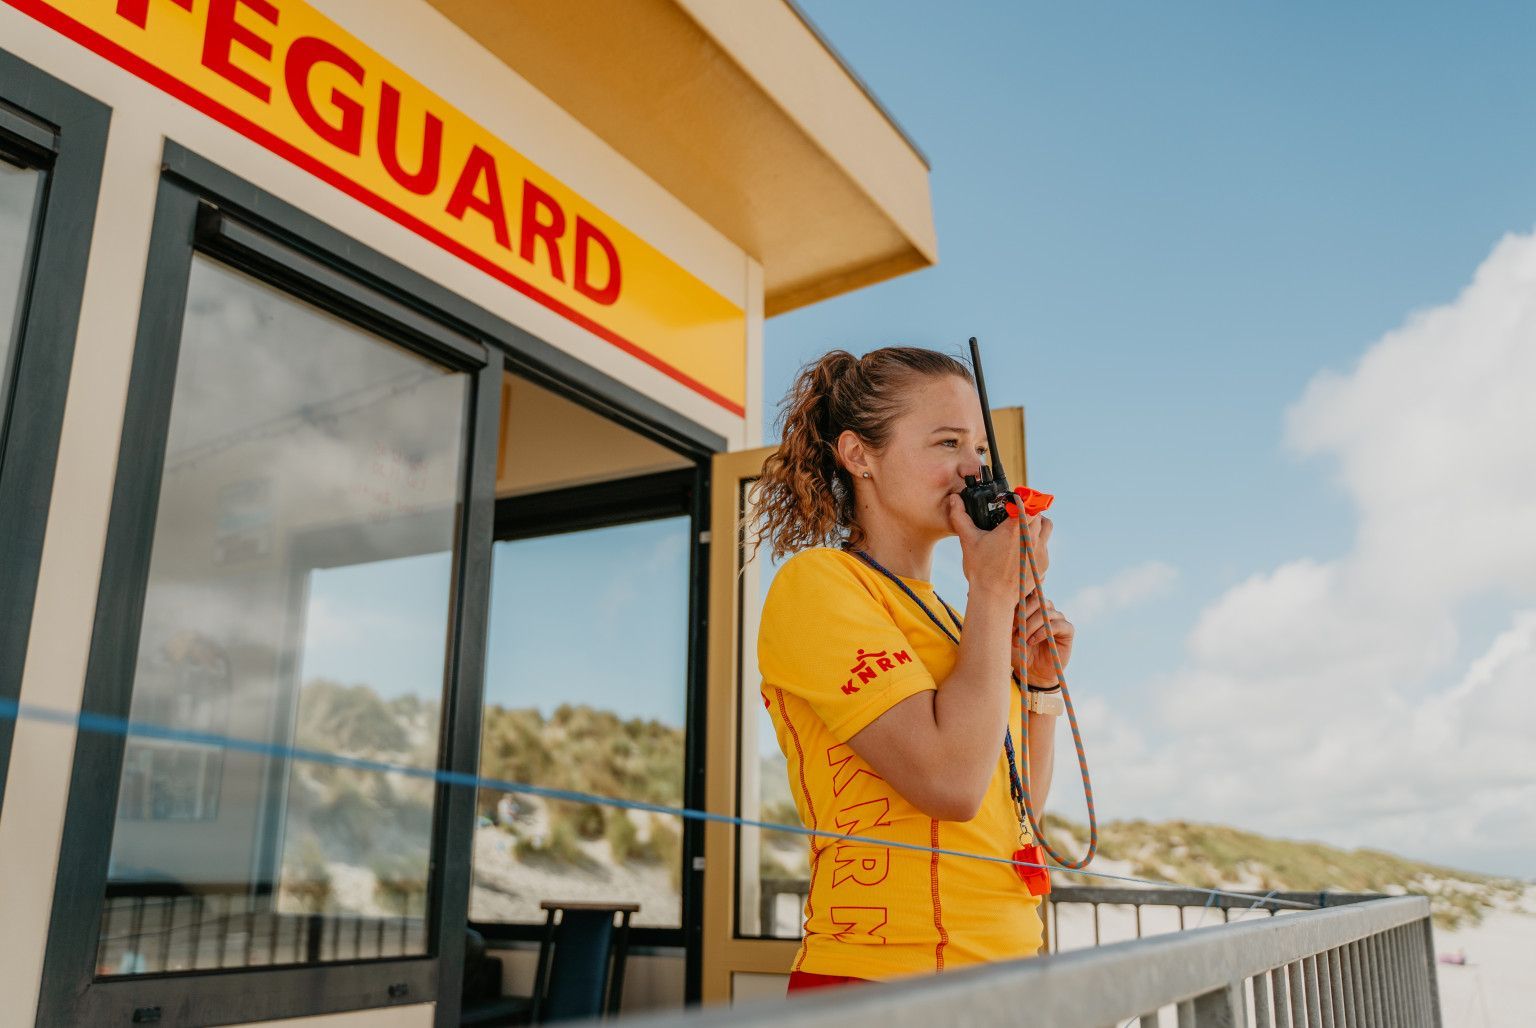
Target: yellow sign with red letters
(292,80)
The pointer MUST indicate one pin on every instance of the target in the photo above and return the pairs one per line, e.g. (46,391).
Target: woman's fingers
(1061,628)
(1039,541)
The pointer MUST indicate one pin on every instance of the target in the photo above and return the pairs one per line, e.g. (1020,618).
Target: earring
(866,474)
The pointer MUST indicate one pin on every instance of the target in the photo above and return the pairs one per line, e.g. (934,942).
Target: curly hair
(805,495)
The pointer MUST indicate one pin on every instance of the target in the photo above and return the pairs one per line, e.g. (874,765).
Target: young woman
(891,717)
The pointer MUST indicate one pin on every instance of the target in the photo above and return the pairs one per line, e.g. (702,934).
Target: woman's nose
(970,469)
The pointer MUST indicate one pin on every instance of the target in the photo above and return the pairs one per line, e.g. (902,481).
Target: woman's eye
(946,442)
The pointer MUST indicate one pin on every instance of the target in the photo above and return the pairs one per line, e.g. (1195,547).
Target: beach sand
(1497,986)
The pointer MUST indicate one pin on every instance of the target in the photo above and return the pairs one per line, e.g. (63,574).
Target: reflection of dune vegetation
(585,750)
(381,824)
(337,815)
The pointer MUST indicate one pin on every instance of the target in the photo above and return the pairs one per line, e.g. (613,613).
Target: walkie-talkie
(985,498)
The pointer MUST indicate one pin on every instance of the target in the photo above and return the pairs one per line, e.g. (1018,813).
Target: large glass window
(585,690)
(298,596)
(21,191)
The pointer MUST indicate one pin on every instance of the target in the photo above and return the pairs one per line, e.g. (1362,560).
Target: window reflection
(20,192)
(586,689)
(298,595)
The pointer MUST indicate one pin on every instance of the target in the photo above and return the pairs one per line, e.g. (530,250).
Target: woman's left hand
(1040,665)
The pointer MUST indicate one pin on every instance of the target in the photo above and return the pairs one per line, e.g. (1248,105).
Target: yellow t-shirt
(840,644)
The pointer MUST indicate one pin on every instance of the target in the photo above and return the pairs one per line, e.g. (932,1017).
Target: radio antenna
(986,416)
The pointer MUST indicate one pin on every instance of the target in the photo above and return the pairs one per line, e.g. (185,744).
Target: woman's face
(939,440)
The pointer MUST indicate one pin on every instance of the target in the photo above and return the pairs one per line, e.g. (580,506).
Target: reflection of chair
(580,971)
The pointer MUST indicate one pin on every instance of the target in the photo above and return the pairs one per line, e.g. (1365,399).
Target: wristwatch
(1045,700)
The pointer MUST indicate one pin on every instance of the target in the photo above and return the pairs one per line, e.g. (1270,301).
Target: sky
(1263,277)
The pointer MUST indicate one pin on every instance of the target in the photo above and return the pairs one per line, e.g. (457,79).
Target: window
(51,144)
(307,461)
(298,594)
(586,690)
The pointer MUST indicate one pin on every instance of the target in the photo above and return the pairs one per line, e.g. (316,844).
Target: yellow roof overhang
(742,111)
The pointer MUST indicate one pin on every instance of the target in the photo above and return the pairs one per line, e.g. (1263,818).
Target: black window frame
(201,205)
(50,126)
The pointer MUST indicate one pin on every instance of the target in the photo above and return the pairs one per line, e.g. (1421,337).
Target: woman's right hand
(991,559)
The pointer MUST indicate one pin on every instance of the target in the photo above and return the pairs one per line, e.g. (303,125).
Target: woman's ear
(852,454)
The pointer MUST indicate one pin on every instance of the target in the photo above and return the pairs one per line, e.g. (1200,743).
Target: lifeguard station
(379,385)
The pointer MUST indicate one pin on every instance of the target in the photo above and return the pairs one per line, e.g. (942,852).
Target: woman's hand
(991,559)
(1041,626)
(1040,668)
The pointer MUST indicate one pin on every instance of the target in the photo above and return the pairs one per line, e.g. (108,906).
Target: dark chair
(581,960)
(580,970)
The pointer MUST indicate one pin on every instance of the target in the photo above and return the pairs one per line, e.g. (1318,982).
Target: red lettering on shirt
(858,818)
(864,922)
(868,666)
(863,865)
(840,760)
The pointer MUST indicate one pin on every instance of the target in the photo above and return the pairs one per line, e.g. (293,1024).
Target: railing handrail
(1160,896)
(1171,897)
(1068,989)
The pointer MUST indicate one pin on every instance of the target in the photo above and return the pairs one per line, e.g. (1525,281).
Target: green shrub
(588,820)
(624,839)
(560,848)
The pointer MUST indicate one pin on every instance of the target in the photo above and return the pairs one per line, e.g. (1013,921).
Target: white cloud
(1135,584)
(1324,699)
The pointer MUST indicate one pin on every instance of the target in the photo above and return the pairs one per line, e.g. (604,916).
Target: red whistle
(1034,501)
(1036,879)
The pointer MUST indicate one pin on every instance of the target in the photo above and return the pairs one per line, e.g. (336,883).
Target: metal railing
(1368,963)
(1180,902)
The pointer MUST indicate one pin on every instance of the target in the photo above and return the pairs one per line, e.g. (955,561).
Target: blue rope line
(104,724)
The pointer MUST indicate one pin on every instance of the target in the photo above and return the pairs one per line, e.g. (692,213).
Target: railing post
(1298,995)
(1222,1008)
(1399,978)
(1414,979)
(1314,1000)
(1261,1007)
(1378,981)
(1351,985)
(1432,983)
(1368,980)
(1325,988)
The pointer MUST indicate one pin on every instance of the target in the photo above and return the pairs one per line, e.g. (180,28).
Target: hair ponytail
(805,496)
